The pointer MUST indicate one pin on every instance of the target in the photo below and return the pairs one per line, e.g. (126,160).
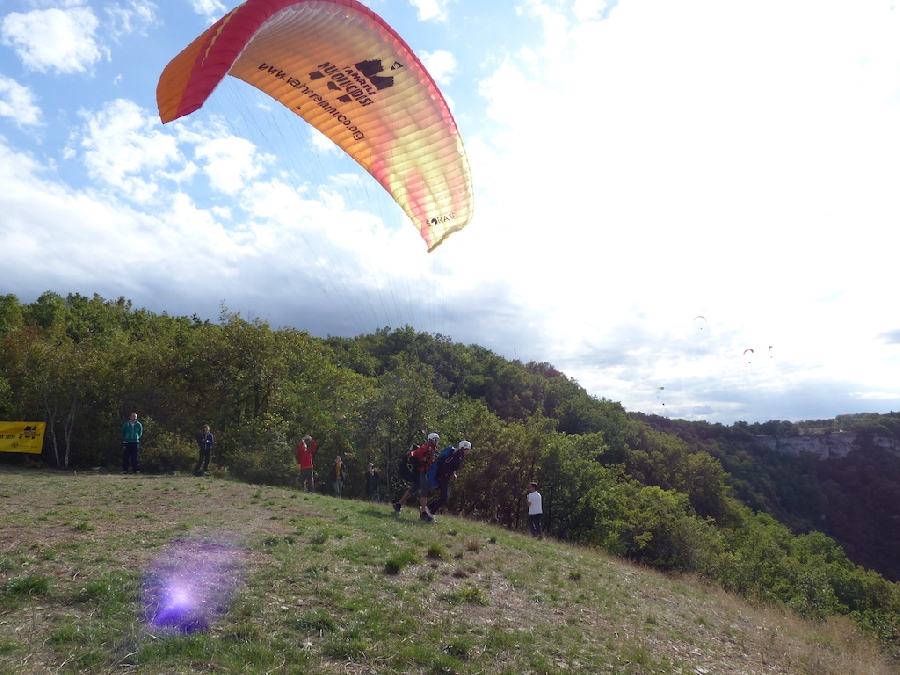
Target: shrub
(263,455)
(166,452)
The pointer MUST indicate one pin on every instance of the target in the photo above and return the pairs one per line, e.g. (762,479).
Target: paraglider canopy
(340,67)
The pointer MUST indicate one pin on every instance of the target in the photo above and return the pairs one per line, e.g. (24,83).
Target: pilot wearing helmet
(448,463)
(425,454)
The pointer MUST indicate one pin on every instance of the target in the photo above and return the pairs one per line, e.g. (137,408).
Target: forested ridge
(854,498)
(677,496)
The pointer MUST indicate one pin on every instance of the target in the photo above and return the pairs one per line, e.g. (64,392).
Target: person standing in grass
(204,442)
(132,431)
(372,483)
(535,511)
(338,476)
(305,459)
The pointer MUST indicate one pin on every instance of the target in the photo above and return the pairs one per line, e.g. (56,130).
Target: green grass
(336,586)
(468,594)
(398,560)
(436,552)
(27,585)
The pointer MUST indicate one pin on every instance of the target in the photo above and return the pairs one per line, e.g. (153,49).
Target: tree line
(609,479)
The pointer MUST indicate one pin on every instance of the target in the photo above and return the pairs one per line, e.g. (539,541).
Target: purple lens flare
(191,583)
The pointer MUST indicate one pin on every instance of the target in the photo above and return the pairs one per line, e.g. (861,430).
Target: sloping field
(175,574)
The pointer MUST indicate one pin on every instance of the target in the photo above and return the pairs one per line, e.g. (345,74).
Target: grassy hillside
(286,582)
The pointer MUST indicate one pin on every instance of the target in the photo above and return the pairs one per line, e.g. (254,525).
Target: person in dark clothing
(445,472)
(204,442)
(372,483)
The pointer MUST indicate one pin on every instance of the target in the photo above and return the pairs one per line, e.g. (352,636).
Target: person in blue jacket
(132,431)
(447,466)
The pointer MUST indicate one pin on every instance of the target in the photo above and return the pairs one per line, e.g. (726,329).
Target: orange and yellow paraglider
(339,66)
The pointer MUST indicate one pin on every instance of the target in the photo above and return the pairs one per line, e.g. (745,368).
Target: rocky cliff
(829,445)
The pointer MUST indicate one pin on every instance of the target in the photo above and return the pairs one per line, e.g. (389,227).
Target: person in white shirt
(535,511)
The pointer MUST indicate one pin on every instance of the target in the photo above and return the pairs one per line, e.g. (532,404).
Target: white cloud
(702,158)
(121,144)
(586,10)
(441,64)
(58,238)
(60,40)
(133,17)
(292,259)
(229,162)
(556,26)
(211,9)
(429,10)
(322,143)
(874,395)
(17,102)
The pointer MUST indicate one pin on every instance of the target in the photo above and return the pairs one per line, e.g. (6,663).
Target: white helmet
(465,445)
(433,437)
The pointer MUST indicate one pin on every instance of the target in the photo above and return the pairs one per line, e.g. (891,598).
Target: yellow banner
(22,437)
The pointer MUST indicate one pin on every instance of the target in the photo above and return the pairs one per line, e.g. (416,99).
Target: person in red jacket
(426,454)
(305,459)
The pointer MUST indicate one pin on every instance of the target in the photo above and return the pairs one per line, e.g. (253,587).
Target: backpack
(434,471)
(408,468)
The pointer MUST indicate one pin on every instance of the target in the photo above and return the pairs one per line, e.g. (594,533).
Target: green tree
(400,413)
(568,471)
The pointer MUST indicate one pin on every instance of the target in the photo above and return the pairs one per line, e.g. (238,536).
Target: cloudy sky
(637,164)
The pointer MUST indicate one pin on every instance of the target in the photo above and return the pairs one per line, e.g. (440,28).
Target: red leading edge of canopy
(224,41)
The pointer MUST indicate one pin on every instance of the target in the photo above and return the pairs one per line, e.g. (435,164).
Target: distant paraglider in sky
(700,322)
(340,67)
(751,353)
